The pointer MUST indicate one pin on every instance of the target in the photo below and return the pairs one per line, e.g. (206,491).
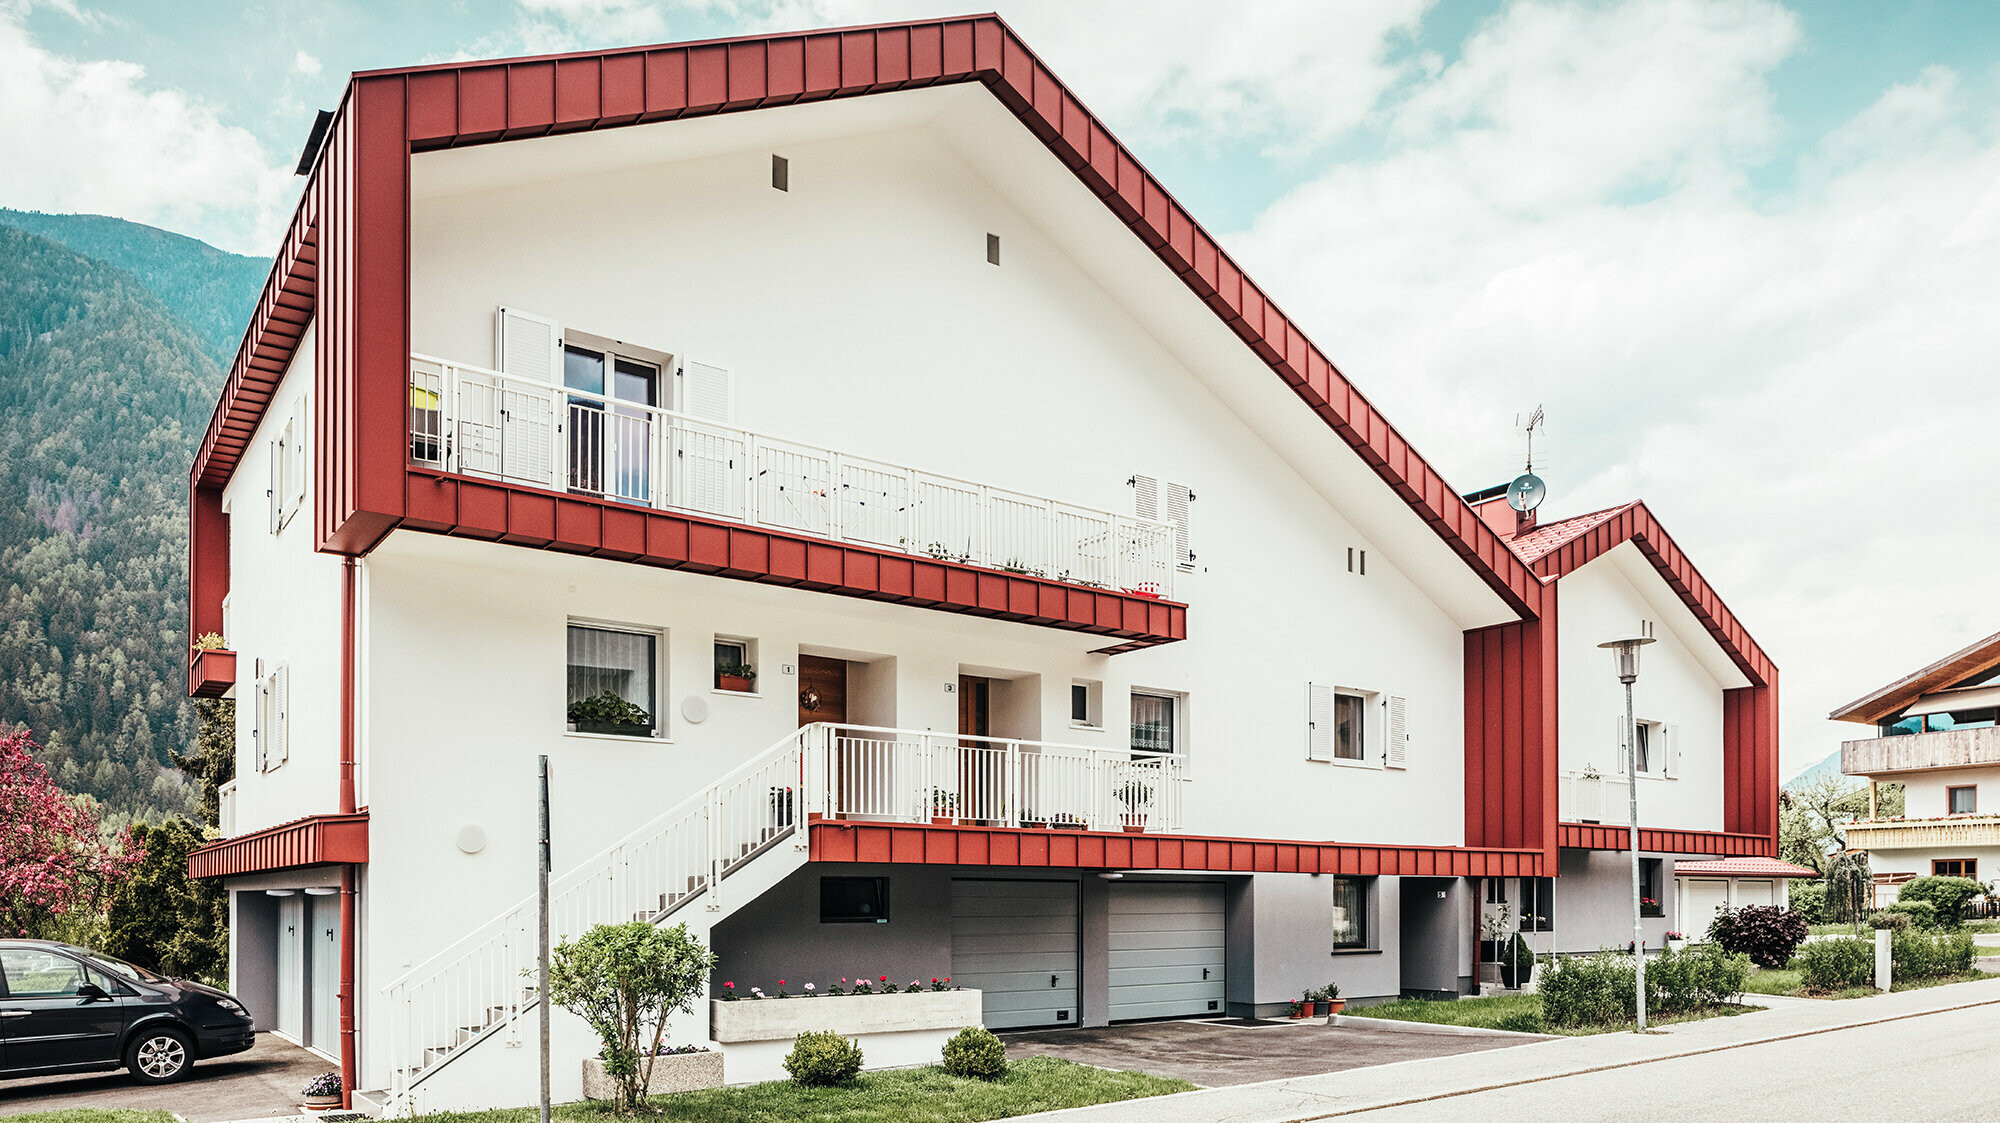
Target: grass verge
(1789,984)
(928,1094)
(1976,927)
(1521,1013)
(93,1115)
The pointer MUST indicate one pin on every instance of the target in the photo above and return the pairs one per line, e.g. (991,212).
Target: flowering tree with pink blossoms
(53,857)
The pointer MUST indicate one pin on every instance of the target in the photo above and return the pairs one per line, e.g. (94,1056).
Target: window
(1350,913)
(854,900)
(781,173)
(1538,904)
(1962,800)
(1955,867)
(1496,890)
(735,665)
(1649,748)
(1155,723)
(1650,903)
(612,681)
(610,441)
(1349,727)
(1958,719)
(993,249)
(1086,704)
(35,973)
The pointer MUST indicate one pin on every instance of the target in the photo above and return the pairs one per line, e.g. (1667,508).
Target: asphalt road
(262,1082)
(1940,1066)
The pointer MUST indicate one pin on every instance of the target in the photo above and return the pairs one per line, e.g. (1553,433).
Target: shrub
(1585,990)
(1922,914)
(1767,934)
(1829,965)
(823,1058)
(1947,895)
(976,1054)
(1894,921)
(625,981)
(1808,899)
(1922,955)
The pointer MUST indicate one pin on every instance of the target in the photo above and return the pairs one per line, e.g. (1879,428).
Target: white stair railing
(481,422)
(481,984)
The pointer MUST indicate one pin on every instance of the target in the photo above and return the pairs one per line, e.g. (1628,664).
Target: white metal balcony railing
(483,423)
(476,988)
(1587,798)
(226,809)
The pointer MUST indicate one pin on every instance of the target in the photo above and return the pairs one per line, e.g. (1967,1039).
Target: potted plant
(1064,821)
(1032,820)
(322,1091)
(781,807)
(1135,795)
(944,807)
(1676,941)
(1494,929)
(740,678)
(1334,1003)
(608,713)
(1297,1010)
(1517,966)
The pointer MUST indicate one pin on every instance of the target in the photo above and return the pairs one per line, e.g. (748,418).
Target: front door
(44,1019)
(980,762)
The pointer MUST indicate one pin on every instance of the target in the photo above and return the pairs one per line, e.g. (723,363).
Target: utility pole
(542,952)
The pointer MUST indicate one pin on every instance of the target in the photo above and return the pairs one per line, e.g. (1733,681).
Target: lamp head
(1625,653)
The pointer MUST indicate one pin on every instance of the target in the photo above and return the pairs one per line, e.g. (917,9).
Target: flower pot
(738,683)
(322,1103)
(612,728)
(1135,828)
(940,820)
(1336,1006)
(1031,825)
(1512,977)
(1676,945)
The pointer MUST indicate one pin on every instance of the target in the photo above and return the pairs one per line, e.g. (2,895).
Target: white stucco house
(918,550)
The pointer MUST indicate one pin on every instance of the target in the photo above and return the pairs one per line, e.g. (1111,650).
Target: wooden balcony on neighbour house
(1918,752)
(1950,831)
(475,422)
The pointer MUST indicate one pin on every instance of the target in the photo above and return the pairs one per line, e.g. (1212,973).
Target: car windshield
(120,967)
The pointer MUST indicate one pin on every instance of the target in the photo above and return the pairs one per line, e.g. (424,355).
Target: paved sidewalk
(1342,1093)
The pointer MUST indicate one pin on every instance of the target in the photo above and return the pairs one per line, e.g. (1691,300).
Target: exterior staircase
(719,849)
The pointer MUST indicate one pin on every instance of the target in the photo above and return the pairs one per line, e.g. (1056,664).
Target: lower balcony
(1923,834)
(1589,798)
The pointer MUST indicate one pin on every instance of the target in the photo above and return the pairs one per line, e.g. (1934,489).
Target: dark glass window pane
(1079,702)
(1905,726)
(1348,741)
(1350,917)
(637,383)
(1650,903)
(1152,723)
(853,900)
(583,370)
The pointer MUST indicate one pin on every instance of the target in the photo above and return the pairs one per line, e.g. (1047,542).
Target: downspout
(349,1066)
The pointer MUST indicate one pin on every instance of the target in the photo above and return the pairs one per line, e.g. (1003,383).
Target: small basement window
(1086,704)
(854,900)
(735,665)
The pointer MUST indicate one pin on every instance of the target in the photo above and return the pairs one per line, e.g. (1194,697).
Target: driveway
(262,1082)
(1224,1052)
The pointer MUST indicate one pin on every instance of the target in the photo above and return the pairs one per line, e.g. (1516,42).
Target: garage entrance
(1016,941)
(1704,899)
(1166,949)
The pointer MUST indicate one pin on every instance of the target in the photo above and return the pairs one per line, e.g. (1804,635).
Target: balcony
(1922,834)
(1917,752)
(480,423)
(211,673)
(1587,798)
(225,796)
(866,774)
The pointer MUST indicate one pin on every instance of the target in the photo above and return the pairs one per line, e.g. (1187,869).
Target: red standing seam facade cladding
(317,840)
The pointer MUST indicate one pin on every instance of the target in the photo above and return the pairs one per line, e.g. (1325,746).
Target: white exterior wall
(1924,795)
(1678,685)
(283,607)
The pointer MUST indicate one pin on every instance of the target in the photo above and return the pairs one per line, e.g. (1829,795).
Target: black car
(66,1009)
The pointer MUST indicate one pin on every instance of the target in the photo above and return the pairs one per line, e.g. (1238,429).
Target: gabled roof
(1974,659)
(1562,547)
(452,104)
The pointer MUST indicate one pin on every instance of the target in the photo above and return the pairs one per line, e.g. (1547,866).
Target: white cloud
(305,64)
(97,137)
(1801,386)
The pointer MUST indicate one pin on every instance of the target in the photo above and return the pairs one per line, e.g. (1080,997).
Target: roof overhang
(1973,659)
(317,840)
(1743,867)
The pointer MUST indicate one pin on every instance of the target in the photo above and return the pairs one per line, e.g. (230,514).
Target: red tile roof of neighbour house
(1960,665)
(1743,867)
(436,106)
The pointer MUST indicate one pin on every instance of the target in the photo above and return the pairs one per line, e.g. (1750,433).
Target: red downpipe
(349,1066)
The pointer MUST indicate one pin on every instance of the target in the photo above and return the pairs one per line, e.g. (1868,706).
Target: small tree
(164,919)
(1948,895)
(53,858)
(1767,934)
(626,981)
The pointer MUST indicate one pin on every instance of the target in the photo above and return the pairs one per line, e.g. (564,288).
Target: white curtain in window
(1152,723)
(621,662)
(1349,921)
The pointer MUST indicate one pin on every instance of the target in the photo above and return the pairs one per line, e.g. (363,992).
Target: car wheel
(159,1056)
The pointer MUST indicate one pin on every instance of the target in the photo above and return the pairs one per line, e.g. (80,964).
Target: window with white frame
(1655,748)
(1350,914)
(1350,726)
(1086,704)
(736,665)
(1156,722)
(614,686)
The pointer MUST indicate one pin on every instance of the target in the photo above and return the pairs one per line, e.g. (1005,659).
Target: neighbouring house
(1937,733)
(918,550)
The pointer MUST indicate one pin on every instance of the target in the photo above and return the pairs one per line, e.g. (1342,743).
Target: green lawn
(93,1115)
(925,1094)
(1519,1012)
(1787,983)
(1976,927)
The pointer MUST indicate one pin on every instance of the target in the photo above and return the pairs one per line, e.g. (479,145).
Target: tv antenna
(1527,491)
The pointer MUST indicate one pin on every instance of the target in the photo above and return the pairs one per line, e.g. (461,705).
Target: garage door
(1016,941)
(1166,950)
(1754,893)
(1704,897)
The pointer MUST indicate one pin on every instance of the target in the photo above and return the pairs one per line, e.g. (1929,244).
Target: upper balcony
(1924,834)
(973,547)
(1918,752)
(1590,798)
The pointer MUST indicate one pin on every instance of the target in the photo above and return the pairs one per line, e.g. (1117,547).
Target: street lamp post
(1625,652)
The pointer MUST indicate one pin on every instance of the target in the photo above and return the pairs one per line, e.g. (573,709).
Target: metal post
(1632,792)
(542,909)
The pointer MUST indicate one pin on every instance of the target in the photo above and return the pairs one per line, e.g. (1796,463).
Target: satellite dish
(1526,492)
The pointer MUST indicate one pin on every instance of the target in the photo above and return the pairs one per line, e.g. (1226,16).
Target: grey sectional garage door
(1016,941)
(1166,949)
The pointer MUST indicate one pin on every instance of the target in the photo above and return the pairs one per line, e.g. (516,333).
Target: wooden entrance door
(977,796)
(822,689)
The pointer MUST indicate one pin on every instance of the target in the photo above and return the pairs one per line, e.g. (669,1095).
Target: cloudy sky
(1746,256)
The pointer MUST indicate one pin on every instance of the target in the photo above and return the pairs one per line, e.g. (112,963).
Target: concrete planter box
(852,1015)
(679,1072)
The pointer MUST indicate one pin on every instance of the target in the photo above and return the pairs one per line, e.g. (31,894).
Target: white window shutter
(1180,504)
(274,496)
(1670,749)
(1319,721)
(708,392)
(529,346)
(1396,754)
(1624,750)
(1146,497)
(296,442)
(281,715)
(260,720)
